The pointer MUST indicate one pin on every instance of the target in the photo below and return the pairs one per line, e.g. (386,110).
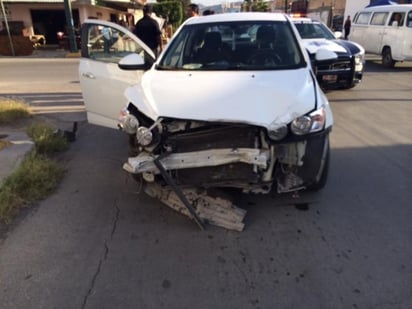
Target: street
(97,243)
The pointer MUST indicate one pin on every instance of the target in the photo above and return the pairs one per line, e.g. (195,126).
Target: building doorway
(49,22)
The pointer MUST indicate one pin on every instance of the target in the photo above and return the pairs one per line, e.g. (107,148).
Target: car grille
(338,66)
(214,138)
(219,137)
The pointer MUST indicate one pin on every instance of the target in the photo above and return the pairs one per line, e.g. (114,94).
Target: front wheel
(387,59)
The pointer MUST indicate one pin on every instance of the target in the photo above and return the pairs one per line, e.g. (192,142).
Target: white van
(385,30)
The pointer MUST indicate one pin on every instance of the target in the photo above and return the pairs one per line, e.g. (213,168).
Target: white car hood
(252,97)
(312,45)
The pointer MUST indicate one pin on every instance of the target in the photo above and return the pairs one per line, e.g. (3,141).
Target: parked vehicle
(218,108)
(344,72)
(385,30)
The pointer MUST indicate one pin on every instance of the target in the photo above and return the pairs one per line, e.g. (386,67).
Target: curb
(73,55)
(11,156)
(57,53)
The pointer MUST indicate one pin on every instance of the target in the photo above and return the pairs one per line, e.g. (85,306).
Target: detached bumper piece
(213,210)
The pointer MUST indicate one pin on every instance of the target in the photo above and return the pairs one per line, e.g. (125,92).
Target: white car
(218,108)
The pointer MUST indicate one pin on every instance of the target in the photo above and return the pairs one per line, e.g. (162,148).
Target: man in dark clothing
(347,26)
(147,29)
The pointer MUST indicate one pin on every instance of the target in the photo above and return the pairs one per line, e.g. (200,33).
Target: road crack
(103,258)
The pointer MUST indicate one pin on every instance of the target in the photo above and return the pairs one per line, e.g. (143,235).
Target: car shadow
(375,65)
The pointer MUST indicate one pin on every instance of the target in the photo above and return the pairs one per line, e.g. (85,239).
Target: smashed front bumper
(143,163)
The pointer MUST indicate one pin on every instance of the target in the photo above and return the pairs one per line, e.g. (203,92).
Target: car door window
(378,19)
(108,44)
(362,18)
(398,17)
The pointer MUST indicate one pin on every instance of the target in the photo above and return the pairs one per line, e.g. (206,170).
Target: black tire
(348,86)
(320,184)
(387,60)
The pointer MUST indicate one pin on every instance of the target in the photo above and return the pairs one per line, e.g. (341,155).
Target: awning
(382,2)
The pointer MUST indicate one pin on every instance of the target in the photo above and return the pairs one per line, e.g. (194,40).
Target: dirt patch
(4,143)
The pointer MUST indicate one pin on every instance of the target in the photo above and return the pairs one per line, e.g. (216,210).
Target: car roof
(241,16)
(389,7)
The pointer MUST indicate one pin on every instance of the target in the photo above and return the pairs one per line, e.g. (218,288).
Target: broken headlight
(128,122)
(149,136)
(144,136)
(310,123)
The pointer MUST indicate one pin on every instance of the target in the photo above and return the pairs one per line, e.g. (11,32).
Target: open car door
(102,82)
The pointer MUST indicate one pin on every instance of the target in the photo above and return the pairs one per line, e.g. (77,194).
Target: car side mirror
(324,54)
(338,34)
(132,62)
(395,24)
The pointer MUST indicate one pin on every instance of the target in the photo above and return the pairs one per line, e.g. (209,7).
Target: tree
(171,10)
(255,6)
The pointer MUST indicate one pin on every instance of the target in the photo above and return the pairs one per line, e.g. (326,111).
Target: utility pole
(70,26)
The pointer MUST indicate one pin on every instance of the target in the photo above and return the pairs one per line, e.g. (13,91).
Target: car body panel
(101,80)
(312,45)
(166,94)
(343,72)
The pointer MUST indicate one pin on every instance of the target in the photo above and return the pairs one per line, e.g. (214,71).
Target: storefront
(46,18)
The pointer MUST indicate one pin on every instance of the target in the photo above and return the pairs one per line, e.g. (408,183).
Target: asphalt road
(97,243)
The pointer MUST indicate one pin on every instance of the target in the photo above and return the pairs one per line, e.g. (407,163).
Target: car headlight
(128,122)
(359,61)
(313,122)
(144,136)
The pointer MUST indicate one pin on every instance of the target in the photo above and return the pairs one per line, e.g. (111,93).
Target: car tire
(324,171)
(387,59)
(349,86)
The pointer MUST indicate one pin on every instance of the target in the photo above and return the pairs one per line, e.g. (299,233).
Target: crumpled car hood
(251,97)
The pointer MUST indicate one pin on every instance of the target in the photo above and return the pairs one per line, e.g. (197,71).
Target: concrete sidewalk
(15,144)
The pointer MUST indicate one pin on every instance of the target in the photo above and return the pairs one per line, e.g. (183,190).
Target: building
(331,12)
(48,18)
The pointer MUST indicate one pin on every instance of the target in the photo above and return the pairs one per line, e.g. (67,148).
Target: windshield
(245,45)
(314,31)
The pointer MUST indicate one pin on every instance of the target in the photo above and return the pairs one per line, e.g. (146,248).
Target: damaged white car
(231,102)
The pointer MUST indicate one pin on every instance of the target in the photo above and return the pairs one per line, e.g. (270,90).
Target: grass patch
(34,180)
(12,110)
(46,139)
(39,174)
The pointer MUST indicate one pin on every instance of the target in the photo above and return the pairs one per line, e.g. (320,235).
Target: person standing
(193,10)
(347,26)
(147,29)
(107,39)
